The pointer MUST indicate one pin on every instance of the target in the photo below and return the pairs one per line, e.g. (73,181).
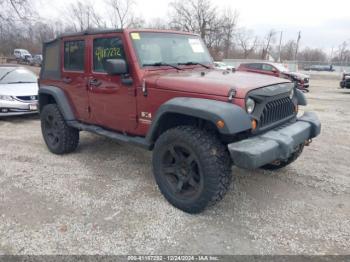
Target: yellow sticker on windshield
(135,36)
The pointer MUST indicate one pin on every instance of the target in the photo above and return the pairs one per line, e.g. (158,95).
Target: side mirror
(115,66)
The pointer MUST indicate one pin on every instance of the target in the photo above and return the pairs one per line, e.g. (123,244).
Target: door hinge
(144,88)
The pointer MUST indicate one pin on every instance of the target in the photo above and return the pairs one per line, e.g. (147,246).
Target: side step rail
(135,140)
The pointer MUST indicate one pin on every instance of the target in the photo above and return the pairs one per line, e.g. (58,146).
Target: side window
(106,48)
(267,67)
(254,66)
(74,55)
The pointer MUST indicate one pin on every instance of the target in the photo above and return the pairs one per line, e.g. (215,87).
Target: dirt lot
(103,198)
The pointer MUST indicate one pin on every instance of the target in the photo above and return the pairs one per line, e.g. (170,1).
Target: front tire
(59,137)
(192,168)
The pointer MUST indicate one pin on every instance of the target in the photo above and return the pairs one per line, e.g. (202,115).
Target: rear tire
(59,137)
(283,163)
(192,168)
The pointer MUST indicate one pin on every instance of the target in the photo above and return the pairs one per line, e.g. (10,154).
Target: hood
(213,82)
(299,75)
(25,89)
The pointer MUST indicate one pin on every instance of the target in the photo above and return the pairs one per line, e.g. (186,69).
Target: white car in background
(223,66)
(18,91)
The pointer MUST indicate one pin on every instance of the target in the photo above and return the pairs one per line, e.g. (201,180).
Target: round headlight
(250,105)
(291,94)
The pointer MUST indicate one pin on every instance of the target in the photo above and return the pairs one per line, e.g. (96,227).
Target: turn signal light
(254,124)
(220,124)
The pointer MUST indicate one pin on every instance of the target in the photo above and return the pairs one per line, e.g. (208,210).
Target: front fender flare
(235,118)
(301,98)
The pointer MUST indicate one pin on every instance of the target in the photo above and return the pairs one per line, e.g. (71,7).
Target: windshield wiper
(163,64)
(194,63)
(6,74)
(20,82)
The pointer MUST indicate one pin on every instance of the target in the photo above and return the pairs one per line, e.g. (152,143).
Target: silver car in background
(18,91)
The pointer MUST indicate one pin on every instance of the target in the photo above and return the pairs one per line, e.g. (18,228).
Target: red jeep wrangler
(159,90)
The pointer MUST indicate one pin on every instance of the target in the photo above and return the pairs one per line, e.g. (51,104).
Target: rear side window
(74,55)
(267,67)
(254,66)
(106,48)
(51,68)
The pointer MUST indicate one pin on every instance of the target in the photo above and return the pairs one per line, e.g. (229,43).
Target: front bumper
(277,144)
(15,107)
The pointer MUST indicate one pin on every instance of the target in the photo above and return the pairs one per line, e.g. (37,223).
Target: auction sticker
(196,45)
(135,36)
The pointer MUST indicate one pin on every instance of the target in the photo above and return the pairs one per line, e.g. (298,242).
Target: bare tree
(15,10)
(16,17)
(343,52)
(247,41)
(288,50)
(121,13)
(83,16)
(196,16)
(157,23)
(312,54)
(228,23)
(268,40)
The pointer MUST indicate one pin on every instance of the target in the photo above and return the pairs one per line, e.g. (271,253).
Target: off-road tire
(283,163)
(213,165)
(59,137)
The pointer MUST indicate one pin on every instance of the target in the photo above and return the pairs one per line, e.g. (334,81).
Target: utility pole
(280,48)
(331,57)
(296,49)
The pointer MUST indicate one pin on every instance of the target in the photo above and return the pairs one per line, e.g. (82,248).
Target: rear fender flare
(60,98)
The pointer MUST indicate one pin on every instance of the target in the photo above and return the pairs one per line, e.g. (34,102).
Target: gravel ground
(102,199)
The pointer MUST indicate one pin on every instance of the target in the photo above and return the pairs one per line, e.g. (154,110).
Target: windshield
(281,67)
(10,75)
(168,48)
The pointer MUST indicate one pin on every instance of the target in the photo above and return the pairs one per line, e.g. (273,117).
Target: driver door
(112,104)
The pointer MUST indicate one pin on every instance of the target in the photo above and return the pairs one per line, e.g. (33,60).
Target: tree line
(22,27)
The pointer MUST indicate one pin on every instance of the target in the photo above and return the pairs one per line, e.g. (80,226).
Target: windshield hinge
(144,88)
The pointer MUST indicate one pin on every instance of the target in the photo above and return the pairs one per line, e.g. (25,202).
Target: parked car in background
(18,91)
(319,68)
(345,82)
(36,60)
(223,66)
(22,56)
(278,70)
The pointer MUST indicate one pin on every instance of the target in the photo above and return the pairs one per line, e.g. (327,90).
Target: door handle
(67,80)
(95,82)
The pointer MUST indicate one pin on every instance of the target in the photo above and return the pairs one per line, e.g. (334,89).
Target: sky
(323,24)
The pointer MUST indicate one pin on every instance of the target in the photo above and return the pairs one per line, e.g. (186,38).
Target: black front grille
(27,98)
(276,110)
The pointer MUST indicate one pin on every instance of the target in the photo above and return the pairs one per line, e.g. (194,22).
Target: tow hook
(308,142)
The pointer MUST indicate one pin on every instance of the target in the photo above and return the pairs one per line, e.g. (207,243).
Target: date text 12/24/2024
(173,258)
